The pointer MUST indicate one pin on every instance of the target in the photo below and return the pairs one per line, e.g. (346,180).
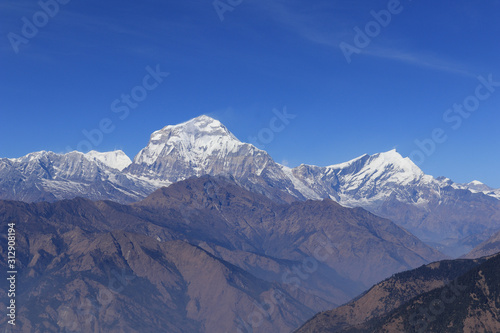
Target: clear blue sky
(265,54)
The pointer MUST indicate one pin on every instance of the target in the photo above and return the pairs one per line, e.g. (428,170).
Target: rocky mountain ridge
(437,210)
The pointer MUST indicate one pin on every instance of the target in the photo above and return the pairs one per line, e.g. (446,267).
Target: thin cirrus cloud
(315,25)
(316,30)
(413,58)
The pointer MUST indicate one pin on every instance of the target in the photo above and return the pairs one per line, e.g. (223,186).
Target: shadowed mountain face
(452,217)
(388,295)
(203,255)
(449,296)
(469,305)
(126,282)
(287,231)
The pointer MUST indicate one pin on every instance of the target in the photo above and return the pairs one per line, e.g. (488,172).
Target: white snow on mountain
(387,184)
(300,185)
(28,157)
(493,193)
(389,167)
(203,145)
(197,147)
(115,159)
(49,176)
(365,181)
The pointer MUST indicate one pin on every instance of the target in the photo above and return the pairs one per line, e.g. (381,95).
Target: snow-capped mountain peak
(198,147)
(349,163)
(388,166)
(476,182)
(399,164)
(476,185)
(115,159)
(193,141)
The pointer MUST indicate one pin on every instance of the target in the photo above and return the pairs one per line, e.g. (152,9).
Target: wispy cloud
(322,27)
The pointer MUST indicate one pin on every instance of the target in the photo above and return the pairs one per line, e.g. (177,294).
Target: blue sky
(264,55)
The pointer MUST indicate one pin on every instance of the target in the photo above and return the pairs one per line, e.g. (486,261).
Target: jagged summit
(200,125)
(48,176)
(31,156)
(478,186)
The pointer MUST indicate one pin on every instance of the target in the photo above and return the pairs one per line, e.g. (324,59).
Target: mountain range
(452,217)
(202,255)
(201,232)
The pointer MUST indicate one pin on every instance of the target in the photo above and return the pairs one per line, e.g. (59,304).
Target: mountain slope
(118,281)
(388,295)
(486,248)
(355,233)
(469,304)
(98,266)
